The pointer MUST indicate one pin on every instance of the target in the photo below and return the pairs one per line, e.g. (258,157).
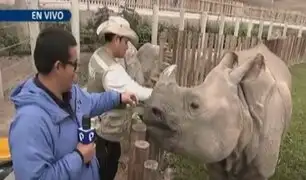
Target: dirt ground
(14,70)
(10,76)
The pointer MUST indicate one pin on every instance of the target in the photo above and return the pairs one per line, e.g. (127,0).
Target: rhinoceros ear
(229,60)
(259,65)
(168,75)
(249,70)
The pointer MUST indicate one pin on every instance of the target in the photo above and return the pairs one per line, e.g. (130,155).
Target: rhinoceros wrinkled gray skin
(233,122)
(148,55)
(141,64)
(132,64)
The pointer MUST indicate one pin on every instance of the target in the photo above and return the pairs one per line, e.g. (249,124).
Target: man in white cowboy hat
(106,73)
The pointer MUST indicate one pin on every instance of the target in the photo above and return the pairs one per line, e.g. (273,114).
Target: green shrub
(8,37)
(144,32)
(99,17)
(64,25)
(132,17)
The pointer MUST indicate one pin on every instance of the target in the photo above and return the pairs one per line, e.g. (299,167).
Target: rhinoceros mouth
(165,129)
(159,120)
(163,132)
(161,126)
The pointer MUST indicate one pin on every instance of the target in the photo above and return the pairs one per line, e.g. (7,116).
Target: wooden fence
(197,53)
(144,158)
(213,7)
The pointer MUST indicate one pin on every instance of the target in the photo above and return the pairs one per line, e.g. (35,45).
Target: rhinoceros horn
(168,75)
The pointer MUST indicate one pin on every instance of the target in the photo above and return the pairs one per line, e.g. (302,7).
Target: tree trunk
(22,28)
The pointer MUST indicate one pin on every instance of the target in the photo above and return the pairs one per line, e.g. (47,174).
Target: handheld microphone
(86,134)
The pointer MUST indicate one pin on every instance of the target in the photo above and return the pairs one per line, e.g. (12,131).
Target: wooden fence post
(155,22)
(138,132)
(150,170)
(261,24)
(136,164)
(87,5)
(250,27)
(220,38)
(34,31)
(237,26)
(203,23)
(203,18)
(201,60)
(1,87)
(300,33)
(162,42)
(284,34)
(270,30)
(182,15)
(222,24)
(181,48)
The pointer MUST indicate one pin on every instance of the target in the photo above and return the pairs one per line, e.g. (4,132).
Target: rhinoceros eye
(194,105)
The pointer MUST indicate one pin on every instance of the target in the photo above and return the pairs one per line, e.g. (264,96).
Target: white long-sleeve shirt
(116,78)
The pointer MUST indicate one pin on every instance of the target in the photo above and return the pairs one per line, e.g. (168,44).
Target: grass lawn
(292,164)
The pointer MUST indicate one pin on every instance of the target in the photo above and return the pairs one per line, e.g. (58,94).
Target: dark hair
(108,37)
(52,45)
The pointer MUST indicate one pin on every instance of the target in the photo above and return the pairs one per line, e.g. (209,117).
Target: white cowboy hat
(119,26)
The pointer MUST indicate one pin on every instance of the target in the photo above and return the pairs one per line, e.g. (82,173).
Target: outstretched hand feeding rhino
(233,122)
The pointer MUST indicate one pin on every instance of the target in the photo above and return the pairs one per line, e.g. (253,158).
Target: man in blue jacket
(49,109)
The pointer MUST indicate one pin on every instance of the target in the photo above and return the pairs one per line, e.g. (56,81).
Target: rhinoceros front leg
(216,172)
(258,177)
(252,174)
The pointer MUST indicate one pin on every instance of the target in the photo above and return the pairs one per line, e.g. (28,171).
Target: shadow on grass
(292,160)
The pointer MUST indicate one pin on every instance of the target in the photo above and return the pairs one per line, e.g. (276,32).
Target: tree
(22,28)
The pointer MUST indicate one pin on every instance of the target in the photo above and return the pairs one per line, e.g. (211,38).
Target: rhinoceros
(142,64)
(233,122)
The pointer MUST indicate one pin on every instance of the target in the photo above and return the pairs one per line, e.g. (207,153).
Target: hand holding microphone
(86,137)
(87,150)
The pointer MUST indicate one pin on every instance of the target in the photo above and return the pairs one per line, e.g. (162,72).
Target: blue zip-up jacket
(42,136)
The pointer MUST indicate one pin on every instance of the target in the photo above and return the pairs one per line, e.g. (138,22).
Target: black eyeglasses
(73,64)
